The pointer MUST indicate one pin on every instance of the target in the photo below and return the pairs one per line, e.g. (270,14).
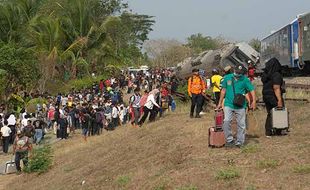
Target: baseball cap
(240,69)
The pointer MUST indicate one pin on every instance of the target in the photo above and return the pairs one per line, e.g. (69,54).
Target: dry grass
(173,154)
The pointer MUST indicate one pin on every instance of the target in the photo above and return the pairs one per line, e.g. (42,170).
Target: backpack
(20,144)
(98,117)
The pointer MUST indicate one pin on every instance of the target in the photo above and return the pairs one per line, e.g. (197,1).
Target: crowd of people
(92,110)
(149,93)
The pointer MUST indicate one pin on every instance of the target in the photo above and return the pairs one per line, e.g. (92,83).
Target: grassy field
(173,154)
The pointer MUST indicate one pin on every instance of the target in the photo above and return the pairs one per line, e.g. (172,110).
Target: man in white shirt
(115,118)
(5,132)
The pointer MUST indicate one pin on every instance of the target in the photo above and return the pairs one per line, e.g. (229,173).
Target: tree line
(43,41)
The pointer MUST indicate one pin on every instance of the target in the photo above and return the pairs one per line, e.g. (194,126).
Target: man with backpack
(196,88)
(22,148)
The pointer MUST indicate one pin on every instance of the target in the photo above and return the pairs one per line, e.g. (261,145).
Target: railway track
(298,86)
(294,86)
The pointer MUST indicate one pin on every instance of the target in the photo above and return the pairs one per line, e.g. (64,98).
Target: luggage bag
(280,118)
(216,138)
(219,118)
(10,167)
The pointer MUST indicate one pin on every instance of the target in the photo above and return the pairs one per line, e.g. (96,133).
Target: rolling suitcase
(280,118)
(216,138)
(10,167)
(219,118)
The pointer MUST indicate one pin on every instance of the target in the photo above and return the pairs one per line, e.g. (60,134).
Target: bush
(227,174)
(40,161)
(83,83)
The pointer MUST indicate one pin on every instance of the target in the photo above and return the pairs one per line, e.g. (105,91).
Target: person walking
(6,134)
(22,148)
(234,88)
(216,83)
(272,91)
(149,105)
(196,88)
(38,127)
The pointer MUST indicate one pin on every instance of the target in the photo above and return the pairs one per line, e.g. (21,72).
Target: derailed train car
(231,55)
(290,45)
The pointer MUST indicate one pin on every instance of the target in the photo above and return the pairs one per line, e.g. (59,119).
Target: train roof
(297,17)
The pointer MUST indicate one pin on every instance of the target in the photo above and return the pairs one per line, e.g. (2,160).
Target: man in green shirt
(233,85)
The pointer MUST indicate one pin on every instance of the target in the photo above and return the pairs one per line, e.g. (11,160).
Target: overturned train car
(231,55)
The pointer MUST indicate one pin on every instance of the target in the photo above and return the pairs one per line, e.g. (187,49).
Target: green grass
(268,164)
(302,169)
(227,174)
(248,149)
(191,187)
(123,180)
(250,187)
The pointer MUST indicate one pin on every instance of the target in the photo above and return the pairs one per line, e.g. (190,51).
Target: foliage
(227,174)
(40,161)
(18,68)
(67,39)
(255,43)
(199,43)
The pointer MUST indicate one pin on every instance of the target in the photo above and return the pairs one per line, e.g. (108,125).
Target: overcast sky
(239,20)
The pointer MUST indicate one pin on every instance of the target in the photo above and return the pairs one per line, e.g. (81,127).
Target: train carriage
(290,44)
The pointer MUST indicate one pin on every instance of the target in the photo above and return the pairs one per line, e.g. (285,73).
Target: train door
(294,43)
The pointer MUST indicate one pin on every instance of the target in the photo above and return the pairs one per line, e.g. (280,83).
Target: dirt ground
(173,153)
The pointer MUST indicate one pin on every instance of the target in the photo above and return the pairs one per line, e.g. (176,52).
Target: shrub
(227,174)
(269,163)
(40,161)
(302,169)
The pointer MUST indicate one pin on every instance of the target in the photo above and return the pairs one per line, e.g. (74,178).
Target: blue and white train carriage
(290,44)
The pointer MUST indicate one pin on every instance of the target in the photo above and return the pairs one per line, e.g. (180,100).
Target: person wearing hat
(196,88)
(234,88)
(22,148)
(216,83)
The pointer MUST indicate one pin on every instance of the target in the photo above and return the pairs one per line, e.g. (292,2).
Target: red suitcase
(216,138)
(219,118)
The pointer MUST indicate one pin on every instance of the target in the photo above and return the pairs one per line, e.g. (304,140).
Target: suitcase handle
(279,108)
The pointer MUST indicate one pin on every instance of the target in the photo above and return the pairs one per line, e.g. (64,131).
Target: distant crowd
(92,110)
